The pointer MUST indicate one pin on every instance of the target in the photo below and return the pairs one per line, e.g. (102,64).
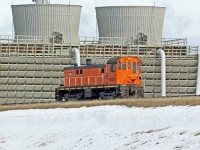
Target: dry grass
(150,102)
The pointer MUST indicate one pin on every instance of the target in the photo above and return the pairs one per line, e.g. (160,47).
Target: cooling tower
(47,20)
(144,24)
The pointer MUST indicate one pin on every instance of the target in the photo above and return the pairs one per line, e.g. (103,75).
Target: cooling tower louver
(143,24)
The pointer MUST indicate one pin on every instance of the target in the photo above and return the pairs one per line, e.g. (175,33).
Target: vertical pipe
(163,72)
(42,1)
(198,77)
(38,1)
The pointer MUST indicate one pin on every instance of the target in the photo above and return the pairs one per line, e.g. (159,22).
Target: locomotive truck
(120,77)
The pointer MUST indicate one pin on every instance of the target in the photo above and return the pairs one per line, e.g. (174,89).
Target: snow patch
(103,127)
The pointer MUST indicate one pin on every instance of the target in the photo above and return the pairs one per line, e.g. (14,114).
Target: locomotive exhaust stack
(88,62)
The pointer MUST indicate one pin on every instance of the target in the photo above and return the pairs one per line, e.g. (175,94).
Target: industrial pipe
(198,77)
(41,1)
(77,55)
(163,72)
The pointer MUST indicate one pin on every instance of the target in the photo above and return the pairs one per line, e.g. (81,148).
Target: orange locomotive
(120,77)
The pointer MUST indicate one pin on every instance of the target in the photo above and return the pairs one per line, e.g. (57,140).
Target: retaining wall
(34,79)
(181,77)
(28,80)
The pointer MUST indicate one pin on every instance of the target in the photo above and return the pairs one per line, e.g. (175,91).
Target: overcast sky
(182,19)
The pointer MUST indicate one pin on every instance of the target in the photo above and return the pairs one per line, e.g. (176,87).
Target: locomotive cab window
(102,70)
(77,71)
(112,67)
(139,67)
(124,66)
(81,71)
(119,66)
(129,65)
(134,67)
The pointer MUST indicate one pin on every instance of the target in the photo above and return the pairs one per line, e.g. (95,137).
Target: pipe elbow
(163,72)
(77,55)
(161,53)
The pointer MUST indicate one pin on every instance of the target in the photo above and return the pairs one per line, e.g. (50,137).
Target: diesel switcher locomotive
(120,77)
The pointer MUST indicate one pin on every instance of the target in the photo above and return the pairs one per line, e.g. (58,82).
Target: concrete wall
(34,79)
(28,80)
(181,77)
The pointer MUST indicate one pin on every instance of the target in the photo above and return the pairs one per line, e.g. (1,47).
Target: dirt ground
(145,102)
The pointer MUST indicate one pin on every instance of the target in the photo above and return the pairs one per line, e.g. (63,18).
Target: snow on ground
(101,128)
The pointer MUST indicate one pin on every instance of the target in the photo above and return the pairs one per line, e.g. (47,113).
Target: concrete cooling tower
(44,19)
(144,24)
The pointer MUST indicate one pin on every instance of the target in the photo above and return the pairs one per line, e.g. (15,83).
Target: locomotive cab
(124,70)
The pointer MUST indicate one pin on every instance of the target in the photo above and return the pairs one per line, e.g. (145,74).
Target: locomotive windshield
(134,67)
(119,65)
(124,66)
(129,65)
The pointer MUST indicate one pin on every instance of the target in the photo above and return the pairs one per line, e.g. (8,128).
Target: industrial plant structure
(143,24)
(44,19)
(32,62)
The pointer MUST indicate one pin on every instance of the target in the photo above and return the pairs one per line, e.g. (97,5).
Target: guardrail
(174,42)
(25,39)
(19,39)
(102,47)
(131,41)
(89,40)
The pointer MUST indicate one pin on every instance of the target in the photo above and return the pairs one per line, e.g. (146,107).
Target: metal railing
(102,47)
(174,42)
(107,51)
(34,50)
(107,40)
(25,39)
(131,41)
(17,39)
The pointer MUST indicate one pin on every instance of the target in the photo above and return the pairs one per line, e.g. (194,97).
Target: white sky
(181,19)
